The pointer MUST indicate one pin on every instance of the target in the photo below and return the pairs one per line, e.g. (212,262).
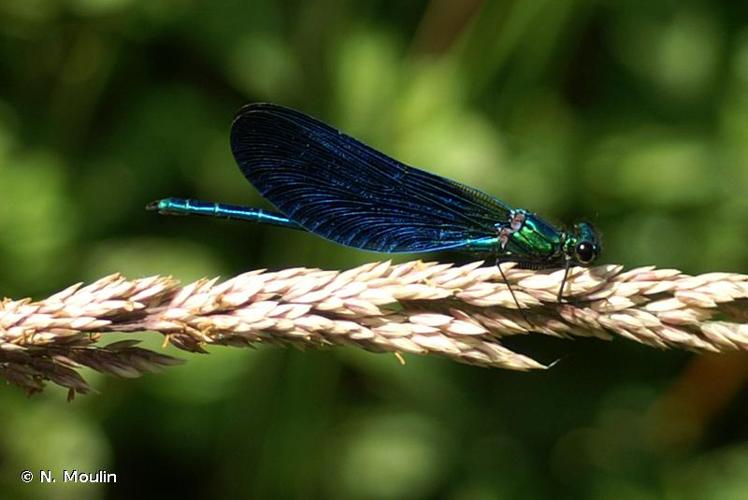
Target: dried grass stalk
(461,312)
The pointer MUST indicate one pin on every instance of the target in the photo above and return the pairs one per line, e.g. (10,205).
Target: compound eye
(585,253)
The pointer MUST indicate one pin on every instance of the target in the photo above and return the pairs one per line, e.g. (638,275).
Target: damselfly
(325,182)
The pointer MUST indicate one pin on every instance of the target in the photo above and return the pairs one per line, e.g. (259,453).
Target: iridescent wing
(343,190)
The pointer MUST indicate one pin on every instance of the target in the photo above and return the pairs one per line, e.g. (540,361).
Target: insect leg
(511,291)
(563,281)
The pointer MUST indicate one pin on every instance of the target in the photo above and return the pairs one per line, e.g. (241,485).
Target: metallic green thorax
(536,240)
(532,241)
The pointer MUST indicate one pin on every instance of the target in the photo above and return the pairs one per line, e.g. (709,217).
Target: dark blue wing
(343,190)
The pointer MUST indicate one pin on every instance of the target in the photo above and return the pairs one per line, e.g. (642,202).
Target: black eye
(585,253)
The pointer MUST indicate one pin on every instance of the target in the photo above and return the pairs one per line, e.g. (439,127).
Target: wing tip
(264,108)
(261,114)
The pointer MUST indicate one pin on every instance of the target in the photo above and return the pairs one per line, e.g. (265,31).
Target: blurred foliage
(631,114)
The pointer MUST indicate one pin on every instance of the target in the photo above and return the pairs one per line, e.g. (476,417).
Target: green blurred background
(631,114)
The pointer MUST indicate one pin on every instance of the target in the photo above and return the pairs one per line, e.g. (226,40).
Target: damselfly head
(583,245)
